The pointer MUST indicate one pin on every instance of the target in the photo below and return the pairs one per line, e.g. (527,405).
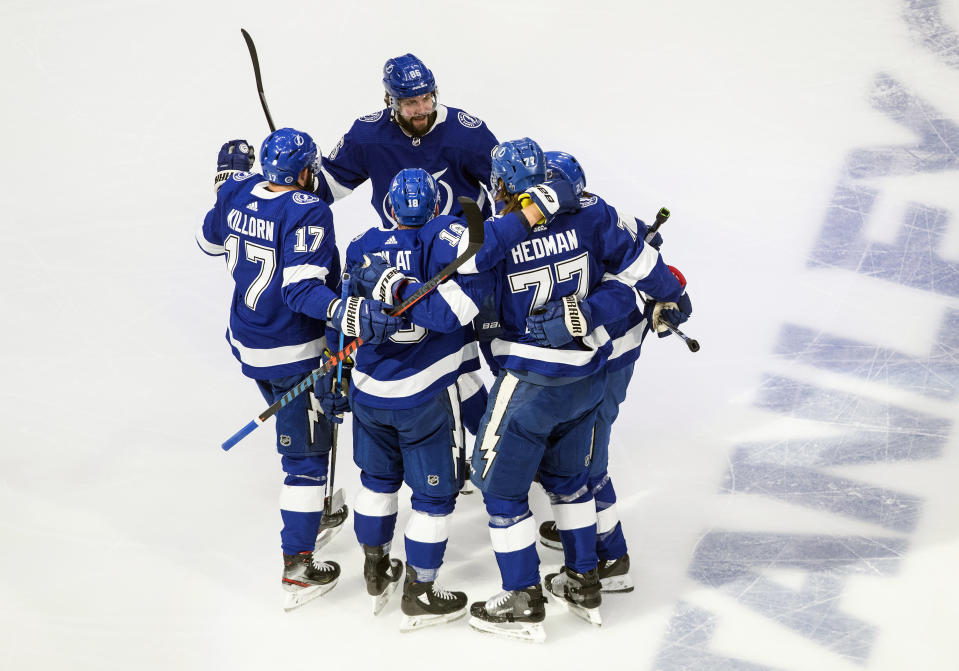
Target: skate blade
(326,535)
(616,584)
(591,615)
(380,600)
(293,600)
(417,622)
(531,632)
(555,545)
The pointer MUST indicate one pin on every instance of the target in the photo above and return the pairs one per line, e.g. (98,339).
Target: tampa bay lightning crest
(370,118)
(469,120)
(302,198)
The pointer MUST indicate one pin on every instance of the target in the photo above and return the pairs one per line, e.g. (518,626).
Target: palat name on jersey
(247,225)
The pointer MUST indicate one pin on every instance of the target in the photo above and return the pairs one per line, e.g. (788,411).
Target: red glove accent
(679,276)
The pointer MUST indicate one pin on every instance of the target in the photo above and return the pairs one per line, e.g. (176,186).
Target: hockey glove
(675,313)
(332,400)
(363,318)
(552,198)
(558,322)
(377,279)
(235,156)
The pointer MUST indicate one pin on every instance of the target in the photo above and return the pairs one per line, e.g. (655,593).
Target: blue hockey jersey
(281,252)
(574,255)
(456,151)
(418,362)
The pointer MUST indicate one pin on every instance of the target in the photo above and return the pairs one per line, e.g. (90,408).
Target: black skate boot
(332,523)
(424,605)
(381,573)
(614,574)
(513,614)
(305,578)
(549,535)
(579,592)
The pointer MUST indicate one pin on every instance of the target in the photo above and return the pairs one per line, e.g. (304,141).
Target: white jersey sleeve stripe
(561,356)
(277,356)
(210,248)
(303,499)
(641,267)
(295,274)
(336,189)
(425,528)
(408,386)
(629,341)
(460,304)
(513,538)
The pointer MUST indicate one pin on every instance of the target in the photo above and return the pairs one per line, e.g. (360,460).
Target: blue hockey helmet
(519,163)
(285,152)
(560,165)
(407,76)
(413,196)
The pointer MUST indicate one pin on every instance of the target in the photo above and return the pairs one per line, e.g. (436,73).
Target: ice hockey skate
(549,535)
(512,614)
(614,575)
(332,523)
(577,592)
(382,575)
(424,605)
(305,578)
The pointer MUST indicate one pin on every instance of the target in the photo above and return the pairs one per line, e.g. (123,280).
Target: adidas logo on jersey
(391,240)
(252,206)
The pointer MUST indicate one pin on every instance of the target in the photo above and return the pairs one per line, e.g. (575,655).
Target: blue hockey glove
(332,400)
(675,313)
(377,279)
(363,318)
(235,156)
(556,323)
(553,197)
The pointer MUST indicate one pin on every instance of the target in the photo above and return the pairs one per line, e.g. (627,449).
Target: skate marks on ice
(874,404)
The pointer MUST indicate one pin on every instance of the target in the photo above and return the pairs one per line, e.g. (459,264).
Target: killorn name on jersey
(252,226)
(537,248)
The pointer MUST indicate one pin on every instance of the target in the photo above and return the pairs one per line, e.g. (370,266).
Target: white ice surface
(129,540)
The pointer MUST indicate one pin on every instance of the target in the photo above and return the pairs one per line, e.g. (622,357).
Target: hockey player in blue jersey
(414,129)
(543,406)
(627,335)
(405,399)
(281,253)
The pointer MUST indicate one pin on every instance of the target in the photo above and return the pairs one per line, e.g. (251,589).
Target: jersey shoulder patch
(468,120)
(587,201)
(372,118)
(302,198)
(241,176)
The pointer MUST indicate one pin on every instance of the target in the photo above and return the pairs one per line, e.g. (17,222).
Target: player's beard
(407,123)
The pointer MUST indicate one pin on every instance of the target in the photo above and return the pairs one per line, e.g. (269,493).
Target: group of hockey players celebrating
(557,302)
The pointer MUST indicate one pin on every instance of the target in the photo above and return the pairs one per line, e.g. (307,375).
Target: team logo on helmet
(302,198)
(370,118)
(389,68)
(433,480)
(298,140)
(468,120)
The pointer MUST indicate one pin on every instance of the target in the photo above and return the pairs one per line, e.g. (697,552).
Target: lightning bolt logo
(313,414)
(491,436)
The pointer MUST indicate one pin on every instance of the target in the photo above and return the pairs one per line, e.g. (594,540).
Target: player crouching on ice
(405,401)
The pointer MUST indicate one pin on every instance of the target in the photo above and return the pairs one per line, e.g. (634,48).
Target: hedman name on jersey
(247,225)
(537,248)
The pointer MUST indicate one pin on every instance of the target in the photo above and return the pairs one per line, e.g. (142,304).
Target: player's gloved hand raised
(556,323)
(675,313)
(357,317)
(377,279)
(332,400)
(553,197)
(235,156)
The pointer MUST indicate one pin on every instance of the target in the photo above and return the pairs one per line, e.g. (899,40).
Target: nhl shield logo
(433,480)
(285,441)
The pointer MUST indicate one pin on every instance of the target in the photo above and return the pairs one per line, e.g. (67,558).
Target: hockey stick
(259,81)
(661,218)
(474,221)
